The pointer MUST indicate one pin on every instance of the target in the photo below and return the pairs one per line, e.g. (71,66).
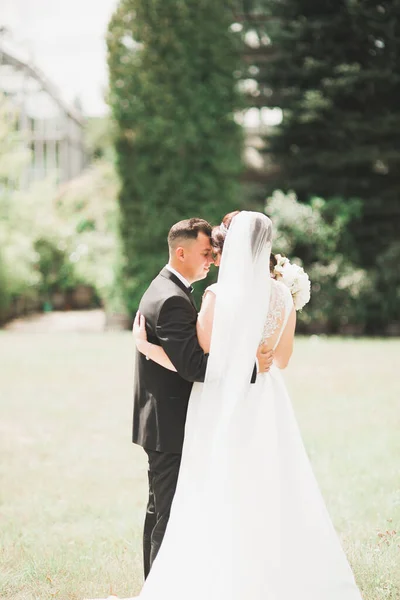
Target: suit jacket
(161,396)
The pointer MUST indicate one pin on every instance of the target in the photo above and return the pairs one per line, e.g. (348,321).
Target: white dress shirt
(178,275)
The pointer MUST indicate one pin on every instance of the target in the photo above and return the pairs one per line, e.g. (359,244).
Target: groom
(161,396)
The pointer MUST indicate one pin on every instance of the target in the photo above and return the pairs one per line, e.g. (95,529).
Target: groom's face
(198,257)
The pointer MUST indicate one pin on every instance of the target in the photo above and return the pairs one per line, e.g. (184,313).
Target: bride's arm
(205,321)
(153,352)
(284,350)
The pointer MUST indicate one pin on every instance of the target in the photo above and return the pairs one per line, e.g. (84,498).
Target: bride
(248,521)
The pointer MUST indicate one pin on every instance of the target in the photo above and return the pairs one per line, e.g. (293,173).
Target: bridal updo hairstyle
(218,237)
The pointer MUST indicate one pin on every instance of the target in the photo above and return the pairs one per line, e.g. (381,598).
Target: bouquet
(295,278)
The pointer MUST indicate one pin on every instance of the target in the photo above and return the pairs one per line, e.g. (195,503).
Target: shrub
(310,235)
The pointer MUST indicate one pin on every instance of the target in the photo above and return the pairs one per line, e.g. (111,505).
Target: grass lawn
(73,487)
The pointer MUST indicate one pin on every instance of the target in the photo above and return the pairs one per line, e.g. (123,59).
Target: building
(52,130)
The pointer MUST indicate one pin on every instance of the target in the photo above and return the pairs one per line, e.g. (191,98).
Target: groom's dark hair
(188,229)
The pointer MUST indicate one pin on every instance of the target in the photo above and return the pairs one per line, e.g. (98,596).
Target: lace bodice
(280,305)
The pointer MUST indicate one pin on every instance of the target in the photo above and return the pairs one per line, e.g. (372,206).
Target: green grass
(73,487)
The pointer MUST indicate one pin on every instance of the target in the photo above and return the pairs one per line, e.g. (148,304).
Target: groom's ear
(180,253)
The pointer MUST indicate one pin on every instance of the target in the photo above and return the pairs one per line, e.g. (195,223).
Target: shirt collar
(179,276)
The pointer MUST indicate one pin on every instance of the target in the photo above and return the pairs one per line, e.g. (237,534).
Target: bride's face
(217,257)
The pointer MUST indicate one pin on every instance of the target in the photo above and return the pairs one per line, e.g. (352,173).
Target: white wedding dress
(248,521)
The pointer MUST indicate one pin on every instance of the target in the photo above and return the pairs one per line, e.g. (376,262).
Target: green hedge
(173,97)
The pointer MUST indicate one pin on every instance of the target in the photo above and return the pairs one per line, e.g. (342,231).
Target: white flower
(295,278)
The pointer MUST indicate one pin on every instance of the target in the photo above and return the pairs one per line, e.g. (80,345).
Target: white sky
(66,40)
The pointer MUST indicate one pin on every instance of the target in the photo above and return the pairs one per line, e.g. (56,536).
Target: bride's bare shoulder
(211,288)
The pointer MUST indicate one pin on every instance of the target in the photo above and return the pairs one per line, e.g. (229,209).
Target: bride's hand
(139,332)
(265,358)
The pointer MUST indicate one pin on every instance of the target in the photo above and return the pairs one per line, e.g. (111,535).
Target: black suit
(161,396)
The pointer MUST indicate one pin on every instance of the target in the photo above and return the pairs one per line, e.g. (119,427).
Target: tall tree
(173,97)
(336,75)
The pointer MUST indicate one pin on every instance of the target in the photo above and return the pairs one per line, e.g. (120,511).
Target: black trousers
(163,476)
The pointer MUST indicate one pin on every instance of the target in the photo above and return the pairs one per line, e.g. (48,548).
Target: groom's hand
(265,358)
